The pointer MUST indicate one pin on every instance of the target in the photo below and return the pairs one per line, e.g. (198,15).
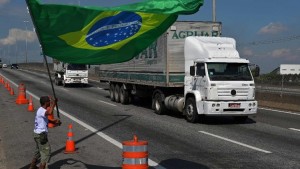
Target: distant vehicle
(66,73)
(14,66)
(4,65)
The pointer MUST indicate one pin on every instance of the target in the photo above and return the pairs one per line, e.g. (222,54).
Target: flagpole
(57,110)
(45,59)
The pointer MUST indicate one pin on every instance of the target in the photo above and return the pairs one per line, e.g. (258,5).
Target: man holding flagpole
(43,149)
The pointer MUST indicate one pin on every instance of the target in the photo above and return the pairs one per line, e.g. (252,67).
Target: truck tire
(56,82)
(111,92)
(64,84)
(191,112)
(158,103)
(124,95)
(117,93)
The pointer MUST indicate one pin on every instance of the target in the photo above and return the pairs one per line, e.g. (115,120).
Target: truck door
(200,79)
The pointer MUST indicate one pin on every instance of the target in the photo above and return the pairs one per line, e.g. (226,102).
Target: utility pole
(26,40)
(214,10)
(16,53)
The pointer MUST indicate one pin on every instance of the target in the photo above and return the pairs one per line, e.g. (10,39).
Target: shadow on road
(168,164)
(214,120)
(72,163)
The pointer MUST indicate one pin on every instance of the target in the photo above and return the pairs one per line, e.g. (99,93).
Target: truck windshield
(229,72)
(76,67)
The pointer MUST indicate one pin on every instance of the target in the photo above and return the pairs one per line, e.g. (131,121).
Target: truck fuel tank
(174,103)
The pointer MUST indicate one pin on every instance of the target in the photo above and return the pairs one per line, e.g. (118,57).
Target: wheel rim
(116,93)
(111,92)
(190,110)
(122,94)
(157,105)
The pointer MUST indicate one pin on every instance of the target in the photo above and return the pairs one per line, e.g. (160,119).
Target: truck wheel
(117,93)
(56,81)
(191,110)
(111,92)
(157,103)
(64,84)
(124,95)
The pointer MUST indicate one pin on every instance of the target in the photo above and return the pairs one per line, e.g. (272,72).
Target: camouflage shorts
(43,149)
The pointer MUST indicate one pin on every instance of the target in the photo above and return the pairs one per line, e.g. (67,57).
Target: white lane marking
(294,129)
(280,111)
(235,142)
(92,129)
(100,88)
(107,103)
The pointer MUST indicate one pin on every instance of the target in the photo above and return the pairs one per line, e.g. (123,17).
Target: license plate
(234,105)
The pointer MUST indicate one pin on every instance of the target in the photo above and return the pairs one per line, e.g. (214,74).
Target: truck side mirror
(192,70)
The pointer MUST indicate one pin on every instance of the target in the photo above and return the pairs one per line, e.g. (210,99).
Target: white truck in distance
(193,75)
(67,74)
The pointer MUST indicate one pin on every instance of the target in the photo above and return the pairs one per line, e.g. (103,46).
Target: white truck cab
(217,81)
(66,73)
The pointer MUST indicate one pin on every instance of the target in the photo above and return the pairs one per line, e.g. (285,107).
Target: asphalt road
(271,139)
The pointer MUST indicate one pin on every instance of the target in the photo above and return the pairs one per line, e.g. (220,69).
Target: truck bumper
(230,108)
(76,81)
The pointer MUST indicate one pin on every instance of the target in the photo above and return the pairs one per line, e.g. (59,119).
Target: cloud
(2,2)
(287,54)
(277,53)
(247,52)
(16,35)
(272,28)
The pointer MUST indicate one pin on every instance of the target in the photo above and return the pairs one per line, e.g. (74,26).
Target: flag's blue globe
(114,29)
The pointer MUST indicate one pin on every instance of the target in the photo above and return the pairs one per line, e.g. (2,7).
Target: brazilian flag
(102,35)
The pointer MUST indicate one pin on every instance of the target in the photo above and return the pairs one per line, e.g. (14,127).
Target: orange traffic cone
(12,91)
(22,95)
(8,87)
(70,144)
(5,84)
(30,105)
(50,124)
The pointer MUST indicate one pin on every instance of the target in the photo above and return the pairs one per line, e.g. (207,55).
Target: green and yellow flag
(101,35)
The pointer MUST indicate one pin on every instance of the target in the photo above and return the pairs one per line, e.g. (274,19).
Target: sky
(267,32)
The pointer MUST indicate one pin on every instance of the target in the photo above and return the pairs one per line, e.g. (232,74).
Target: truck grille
(226,92)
